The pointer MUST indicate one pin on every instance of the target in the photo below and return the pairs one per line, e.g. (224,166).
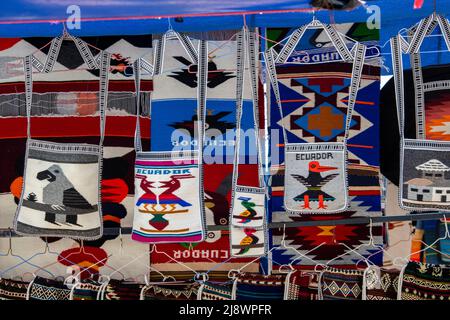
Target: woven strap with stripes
(246,48)
(295,37)
(103,93)
(358,65)
(400,46)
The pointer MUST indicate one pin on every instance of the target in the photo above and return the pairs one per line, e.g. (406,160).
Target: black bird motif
(61,194)
(314,183)
(188,75)
(213,121)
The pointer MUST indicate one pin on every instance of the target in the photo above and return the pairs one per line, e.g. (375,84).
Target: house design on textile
(432,186)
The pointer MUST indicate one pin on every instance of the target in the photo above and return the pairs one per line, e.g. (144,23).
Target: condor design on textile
(61,182)
(169,197)
(424,181)
(248,227)
(316,173)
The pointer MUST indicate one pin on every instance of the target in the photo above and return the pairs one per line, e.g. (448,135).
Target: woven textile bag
(422,281)
(61,183)
(170,291)
(88,289)
(169,200)
(251,286)
(380,283)
(424,163)
(340,284)
(302,285)
(47,289)
(316,173)
(13,289)
(212,291)
(248,228)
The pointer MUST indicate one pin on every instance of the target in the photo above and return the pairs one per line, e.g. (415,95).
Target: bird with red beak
(314,183)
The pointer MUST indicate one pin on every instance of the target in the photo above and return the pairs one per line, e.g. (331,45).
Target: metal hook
(121,240)
(204,277)
(447,233)
(170,25)
(371,242)
(165,278)
(10,251)
(232,274)
(244,19)
(289,268)
(334,235)
(283,240)
(47,247)
(65,33)
(324,266)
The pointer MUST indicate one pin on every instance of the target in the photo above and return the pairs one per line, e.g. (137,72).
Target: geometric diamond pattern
(345,290)
(324,87)
(395,284)
(385,282)
(334,288)
(356,290)
(46,293)
(325,122)
(317,117)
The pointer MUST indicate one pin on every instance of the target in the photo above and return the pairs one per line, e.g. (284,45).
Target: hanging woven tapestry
(421,281)
(380,283)
(303,104)
(61,184)
(168,185)
(47,289)
(13,289)
(176,130)
(424,163)
(319,168)
(340,284)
